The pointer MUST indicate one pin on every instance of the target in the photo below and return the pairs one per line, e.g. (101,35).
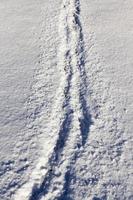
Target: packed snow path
(71,111)
(75,121)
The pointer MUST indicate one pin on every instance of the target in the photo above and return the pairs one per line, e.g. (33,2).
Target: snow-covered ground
(19,50)
(66,100)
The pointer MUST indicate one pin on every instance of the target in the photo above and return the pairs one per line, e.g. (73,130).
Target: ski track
(76,120)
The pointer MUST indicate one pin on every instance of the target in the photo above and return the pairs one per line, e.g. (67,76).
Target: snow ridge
(76,122)
(71,119)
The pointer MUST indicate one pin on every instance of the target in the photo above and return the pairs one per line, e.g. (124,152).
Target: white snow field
(66,100)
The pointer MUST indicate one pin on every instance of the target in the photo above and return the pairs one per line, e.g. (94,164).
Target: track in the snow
(74,105)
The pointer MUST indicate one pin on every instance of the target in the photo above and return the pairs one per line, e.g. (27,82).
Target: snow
(19,30)
(66,100)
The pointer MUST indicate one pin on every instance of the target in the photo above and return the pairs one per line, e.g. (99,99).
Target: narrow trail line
(76,120)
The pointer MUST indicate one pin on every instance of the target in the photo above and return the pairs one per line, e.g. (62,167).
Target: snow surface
(66,100)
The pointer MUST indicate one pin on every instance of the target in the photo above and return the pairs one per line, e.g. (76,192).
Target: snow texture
(66,100)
